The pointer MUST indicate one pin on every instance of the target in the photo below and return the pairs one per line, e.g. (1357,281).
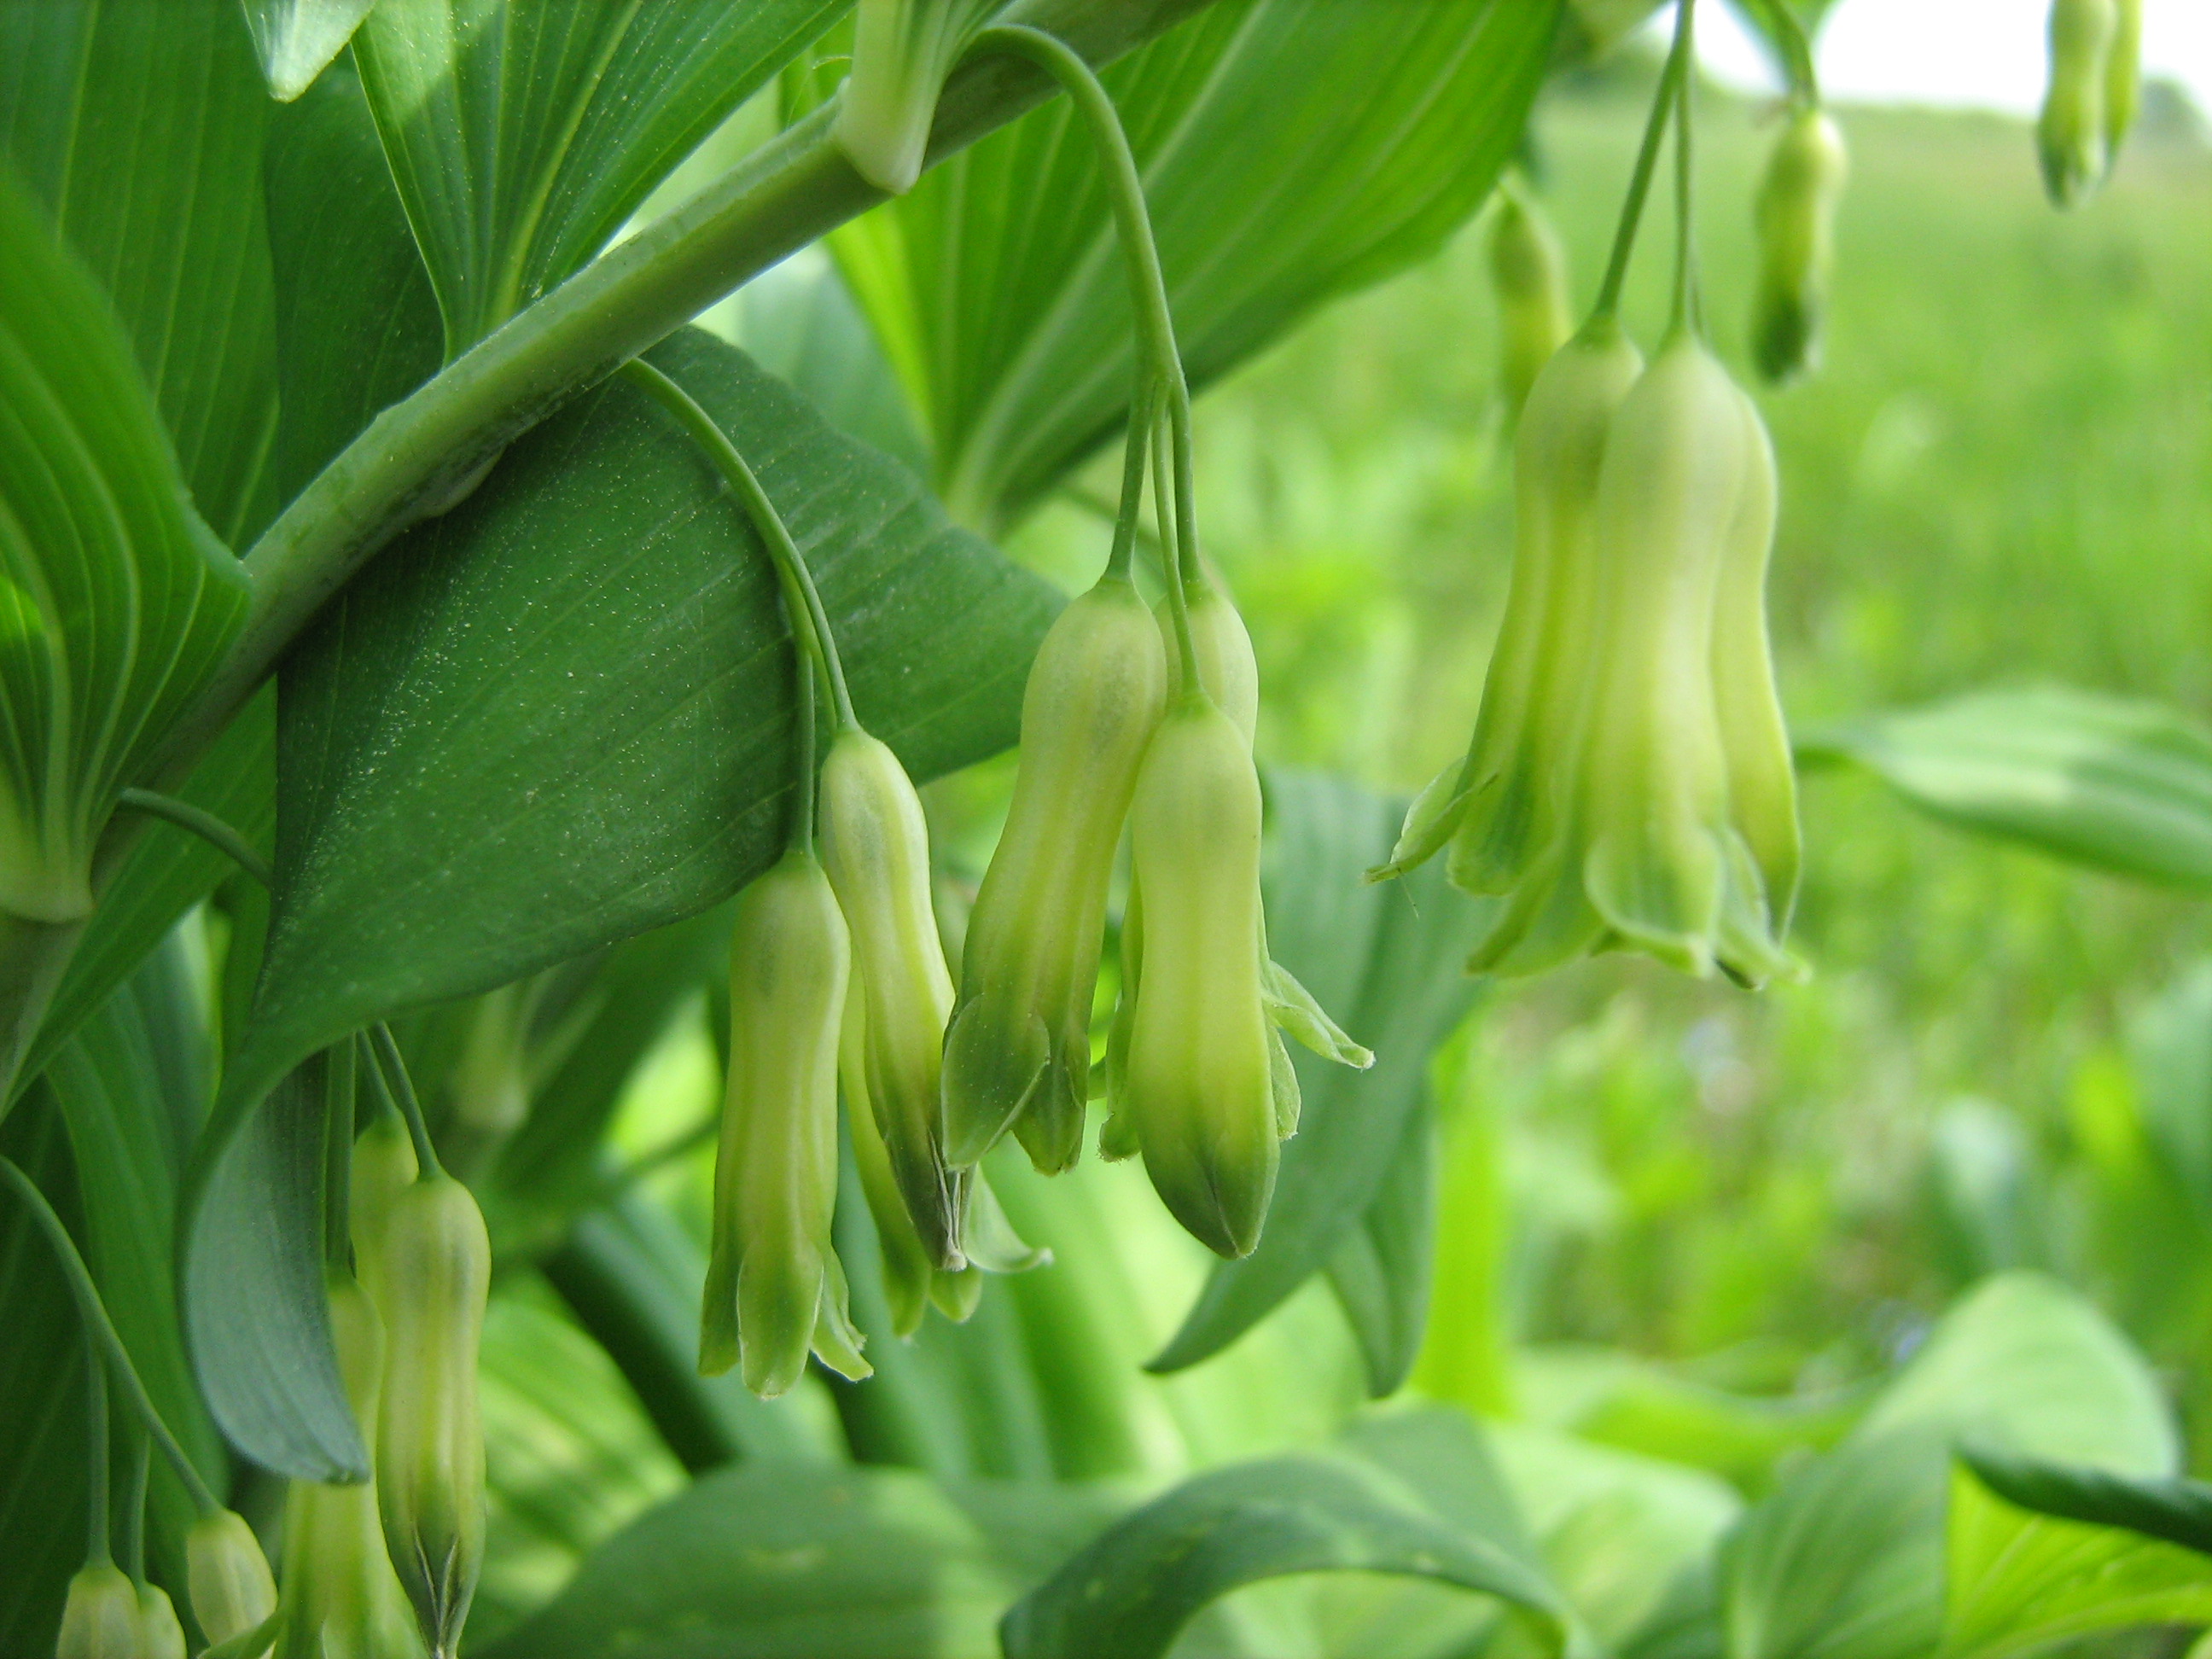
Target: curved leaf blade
(1386,961)
(2175,1510)
(1127,1595)
(116,601)
(1001,296)
(2102,781)
(796,1561)
(522,133)
(139,129)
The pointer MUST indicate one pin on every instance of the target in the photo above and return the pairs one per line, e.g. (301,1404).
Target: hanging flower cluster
(2094,90)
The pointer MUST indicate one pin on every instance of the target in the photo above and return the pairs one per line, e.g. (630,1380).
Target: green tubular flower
(1200,1079)
(1529,273)
(910,1274)
(1762,781)
(384,1167)
(1796,217)
(2071,132)
(876,848)
(774,1291)
(902,51)
(1654,781)
(159,1634)
(227,1576)
(434,1275)
(1496,807)
(100,1619)
(1019,1044)
(342,1599)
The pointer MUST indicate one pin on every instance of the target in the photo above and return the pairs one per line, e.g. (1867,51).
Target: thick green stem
(100,1330)
(1647,159)
(809,620)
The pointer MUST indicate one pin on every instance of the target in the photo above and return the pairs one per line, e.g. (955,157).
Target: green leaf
(2120,785)
(2170,1042)
(1382,1270)
(357,326)
(792,1561)
(1127,1595)
(2020,1580)
(1845,1558)
(995,284)
(139,129)
(42,1391)
(2176,1510)
(295,39)
(167,873)
(116,602)
(1385,960)
(257,1315)
(524,132)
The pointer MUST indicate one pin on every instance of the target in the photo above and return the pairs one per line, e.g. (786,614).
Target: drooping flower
(1797,222)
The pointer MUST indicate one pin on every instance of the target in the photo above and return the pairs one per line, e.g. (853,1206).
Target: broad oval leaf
(2020,1580)
(782,1560)
(1845,1558)
(117,602)
(139,128)
(1385,960)
(996,285)
(1127,1595)
(2115,784)
(559,716)
(295,39)
(524,132)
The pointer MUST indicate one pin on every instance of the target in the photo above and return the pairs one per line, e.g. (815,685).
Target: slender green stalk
(1148,287)
(97,1551)
(811,622)
(1647,159)
(131,1557)
(100,1330)
(401,1088)
(338,1157)
(800,833)
(1685,311)
(1142,412)
(208,826)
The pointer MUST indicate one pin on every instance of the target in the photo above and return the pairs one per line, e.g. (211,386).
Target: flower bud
(1529,273)
(876,846)
(228,1578)
(159,1634)
(435,1275)
(909,1272)
(488,1096)
(342,1599)
(100,1619)
(1797,221)
(901,52)
(2071,132)
(1201,1088)
(1019,1044)
(774,1291)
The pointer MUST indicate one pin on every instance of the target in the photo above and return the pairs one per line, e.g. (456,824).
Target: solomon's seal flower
(433,1277)
(774,1291)
(876,848)
(100,1619)
(1200,1091)
(160,1636)
(1797,219)
(1017,1053)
